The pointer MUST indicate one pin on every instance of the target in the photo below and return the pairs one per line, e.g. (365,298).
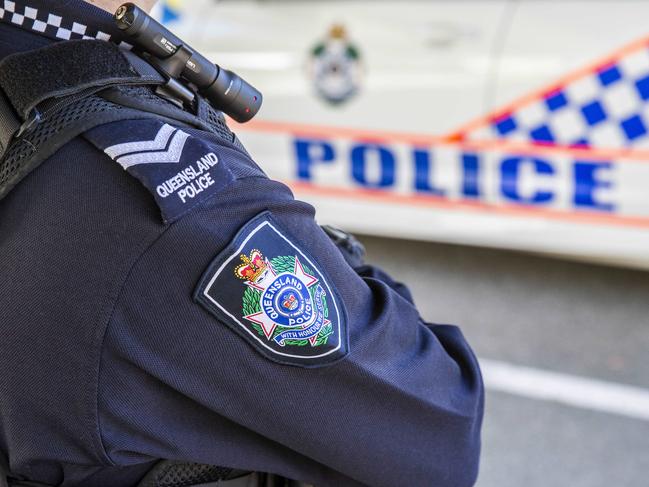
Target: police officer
(162,299)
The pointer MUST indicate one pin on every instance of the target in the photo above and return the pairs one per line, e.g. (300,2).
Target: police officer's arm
(243,338)
(354,254)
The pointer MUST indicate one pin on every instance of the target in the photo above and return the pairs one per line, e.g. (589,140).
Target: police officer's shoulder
(181,167)
(111,97)
(236,236)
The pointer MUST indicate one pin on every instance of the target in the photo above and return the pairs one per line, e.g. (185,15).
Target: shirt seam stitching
(104,451)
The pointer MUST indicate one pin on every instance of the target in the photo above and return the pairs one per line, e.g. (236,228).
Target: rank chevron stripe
(170,156)
(170,139)
(159,143)
(177,169)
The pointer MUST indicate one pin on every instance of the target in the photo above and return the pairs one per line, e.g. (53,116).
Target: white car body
(411,155)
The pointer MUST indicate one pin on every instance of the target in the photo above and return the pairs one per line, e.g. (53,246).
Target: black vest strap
(68,68)
(53,94)
(40,81)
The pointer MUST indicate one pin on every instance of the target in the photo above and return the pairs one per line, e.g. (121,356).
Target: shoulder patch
(275,296)
(179,170)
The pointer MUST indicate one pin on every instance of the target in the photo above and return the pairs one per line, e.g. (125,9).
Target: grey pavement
(580,319)
(529,443)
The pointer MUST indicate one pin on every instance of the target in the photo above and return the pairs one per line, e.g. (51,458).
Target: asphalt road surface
(566,352)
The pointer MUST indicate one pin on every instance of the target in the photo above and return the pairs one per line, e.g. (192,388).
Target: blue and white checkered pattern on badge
(607,108)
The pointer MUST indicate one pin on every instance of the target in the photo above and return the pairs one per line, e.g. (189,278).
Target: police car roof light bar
(226,90)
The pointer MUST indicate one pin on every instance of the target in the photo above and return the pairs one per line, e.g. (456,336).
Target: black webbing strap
(38,81)
(51,95)
(66,68)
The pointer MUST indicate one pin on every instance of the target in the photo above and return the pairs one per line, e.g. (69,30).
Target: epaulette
(51,95)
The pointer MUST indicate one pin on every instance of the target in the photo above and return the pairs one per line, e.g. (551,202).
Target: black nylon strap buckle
(33,119)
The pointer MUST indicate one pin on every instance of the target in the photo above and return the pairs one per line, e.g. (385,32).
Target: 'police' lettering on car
(454,173)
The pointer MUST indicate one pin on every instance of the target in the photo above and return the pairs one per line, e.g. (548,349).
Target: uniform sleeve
(353,252)
(399,402)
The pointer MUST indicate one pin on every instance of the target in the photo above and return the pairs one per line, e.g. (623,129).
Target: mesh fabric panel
(16,161)
(210,116)
(216,121)
(168,474)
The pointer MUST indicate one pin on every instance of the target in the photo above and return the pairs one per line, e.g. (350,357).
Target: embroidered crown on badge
(253,267)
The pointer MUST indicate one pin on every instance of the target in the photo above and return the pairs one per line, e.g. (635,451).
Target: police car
(520,125)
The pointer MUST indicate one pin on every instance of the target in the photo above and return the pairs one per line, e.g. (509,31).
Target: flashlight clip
(187,71)
(174,90)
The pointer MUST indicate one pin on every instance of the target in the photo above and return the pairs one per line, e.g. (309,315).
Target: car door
(548,39)
(419,66)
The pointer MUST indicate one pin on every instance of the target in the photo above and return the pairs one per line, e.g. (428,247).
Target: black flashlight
(226,90)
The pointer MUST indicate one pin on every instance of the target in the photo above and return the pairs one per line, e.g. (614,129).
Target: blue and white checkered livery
(605,108)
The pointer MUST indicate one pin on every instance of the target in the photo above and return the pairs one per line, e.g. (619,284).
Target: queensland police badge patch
(273,294)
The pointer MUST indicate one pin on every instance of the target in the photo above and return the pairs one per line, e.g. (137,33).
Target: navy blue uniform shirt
(161,298)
